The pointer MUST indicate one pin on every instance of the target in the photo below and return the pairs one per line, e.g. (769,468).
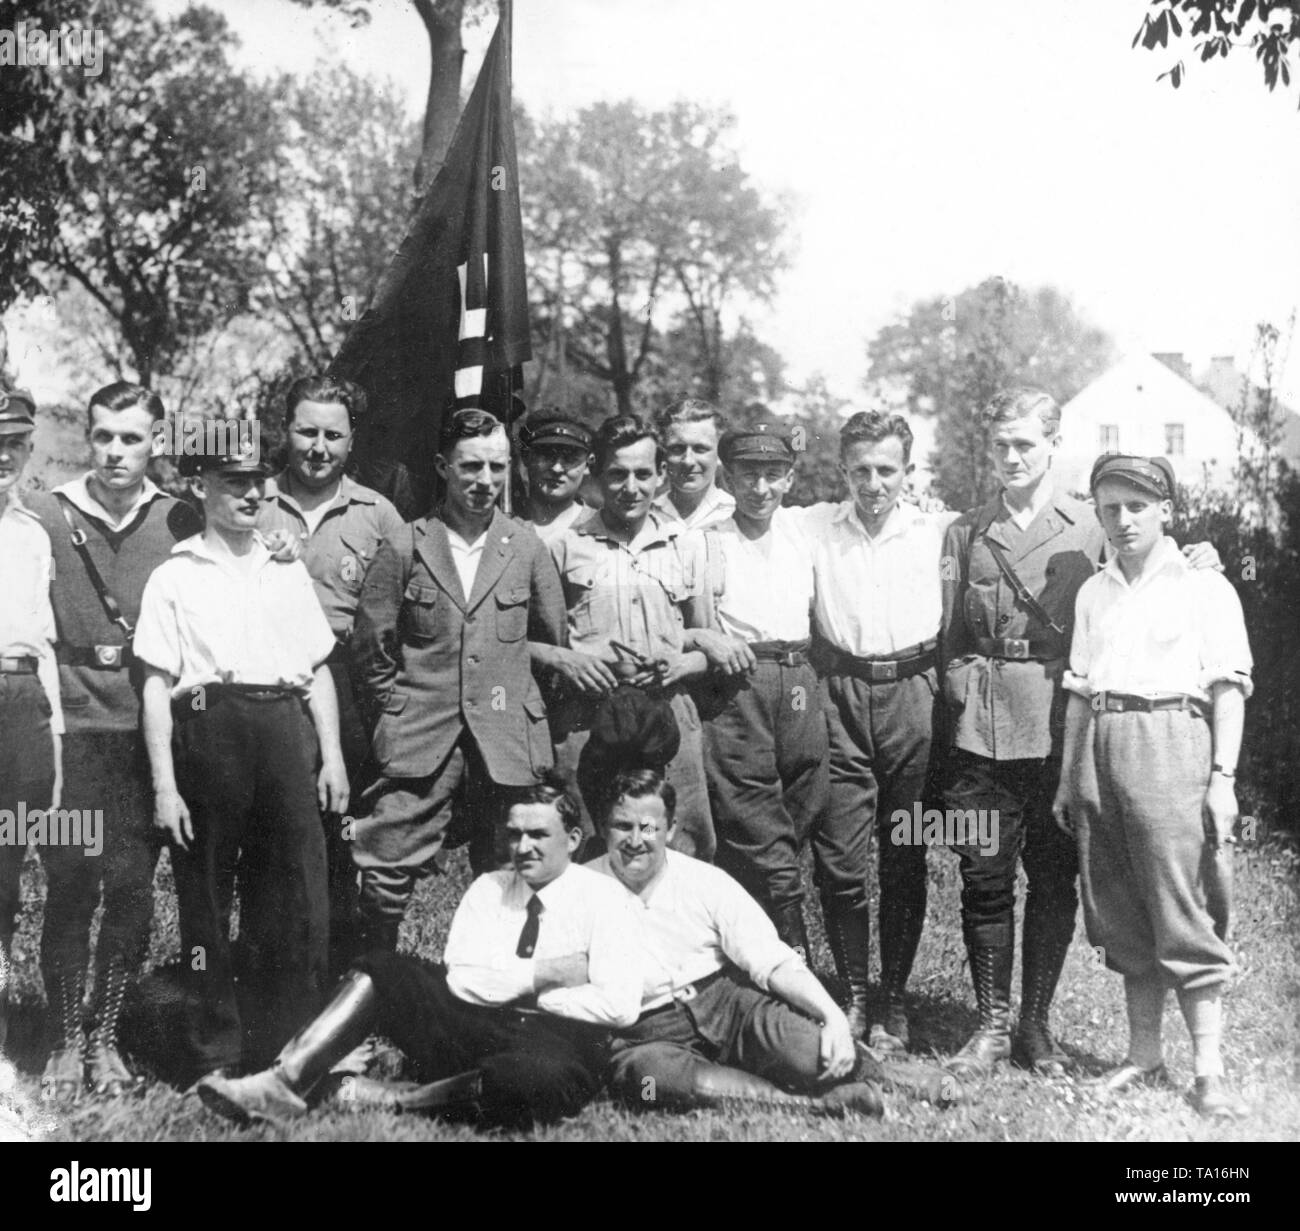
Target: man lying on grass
(541,961)
(730,1013)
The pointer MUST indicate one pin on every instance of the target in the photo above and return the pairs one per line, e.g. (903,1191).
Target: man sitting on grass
(541,961)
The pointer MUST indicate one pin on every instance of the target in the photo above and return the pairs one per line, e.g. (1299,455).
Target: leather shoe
(1211,1097)
(63,1080)
(862,1098)
(1034,1048)
(263,1096)
(892,1034)
(983,1052)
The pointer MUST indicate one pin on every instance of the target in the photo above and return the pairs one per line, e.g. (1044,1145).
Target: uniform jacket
(430,664)
(1006,709)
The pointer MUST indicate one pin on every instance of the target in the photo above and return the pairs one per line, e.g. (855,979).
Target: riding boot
(1045,951)
(64,1078)
(107,1069)
(901,923)
(848,929)
(991,1043)
(280,1091)
(790,927)
(720,1085)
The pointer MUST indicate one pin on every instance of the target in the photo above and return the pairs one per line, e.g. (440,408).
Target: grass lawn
(1262,1046)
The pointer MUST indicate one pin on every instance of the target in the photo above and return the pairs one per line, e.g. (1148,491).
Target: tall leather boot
(107,1070)
(848,929)
(720,1085)
(280,1092)
(790,926)
(900,934)
(1047,942)
(64,1079)
(6,974)
(991,1043)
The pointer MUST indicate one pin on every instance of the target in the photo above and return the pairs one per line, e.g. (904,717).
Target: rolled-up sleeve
(157,634)
(1075,678)
(1225,647)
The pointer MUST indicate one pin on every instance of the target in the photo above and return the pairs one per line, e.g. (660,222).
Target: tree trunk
(442,20)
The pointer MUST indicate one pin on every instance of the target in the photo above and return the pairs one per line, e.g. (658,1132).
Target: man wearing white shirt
(691,429)
(542,959)
(241,727)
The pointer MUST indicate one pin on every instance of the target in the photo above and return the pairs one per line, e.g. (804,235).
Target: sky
(926,146)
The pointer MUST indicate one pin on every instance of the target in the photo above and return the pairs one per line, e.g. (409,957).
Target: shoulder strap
(1021,590)
(77,537)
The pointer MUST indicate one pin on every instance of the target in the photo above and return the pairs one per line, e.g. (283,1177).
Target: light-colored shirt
(767,583)
(208,617)
(466,556)
(879,595)
(553,530)
(629,592)
(26,617)
(581,913)
(80,493)
(716,506)
(695,919)
(339,549)
(1175,629)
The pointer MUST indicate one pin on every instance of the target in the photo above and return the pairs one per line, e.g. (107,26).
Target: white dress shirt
(79,492)
(554,530)
(767,583)
(581,913)
(208,617)
(879,595)
(27,627)
(466,556)
(696,919)
(1175,629)
(716,506)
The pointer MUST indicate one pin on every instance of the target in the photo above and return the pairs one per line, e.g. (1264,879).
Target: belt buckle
(786,658)
(1114,704)
(883,673)
(108,655)
(685,994)
(1015,647)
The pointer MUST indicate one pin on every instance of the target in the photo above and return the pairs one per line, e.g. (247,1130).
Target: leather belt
(1127,702)
(21,664)
(783,653)
(250,692)
(886,668)
(687,993)
(101,657)
(1020,649)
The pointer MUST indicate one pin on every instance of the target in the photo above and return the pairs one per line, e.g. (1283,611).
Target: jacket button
(1003,621)
(472,660)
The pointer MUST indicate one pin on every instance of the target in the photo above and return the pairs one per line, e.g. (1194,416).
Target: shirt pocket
(512,612)
(579,598)
(356,551)
(420,611)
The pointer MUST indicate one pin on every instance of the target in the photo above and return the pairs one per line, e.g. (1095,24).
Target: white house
(1141,406)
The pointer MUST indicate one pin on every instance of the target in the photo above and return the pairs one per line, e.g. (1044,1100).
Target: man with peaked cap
(241,727)
(31,721)
(557,456)
(1158,679)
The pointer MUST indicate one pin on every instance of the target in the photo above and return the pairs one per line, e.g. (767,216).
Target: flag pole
(507,496)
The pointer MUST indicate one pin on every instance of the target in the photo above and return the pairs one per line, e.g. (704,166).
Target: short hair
(689,410)
(465,425)
(635,784)
(873,426)
(550,789)
(619,431)
(1020,401)
(123,395)
(350,396)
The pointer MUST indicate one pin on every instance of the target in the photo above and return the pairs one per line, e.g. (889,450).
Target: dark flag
(447,326)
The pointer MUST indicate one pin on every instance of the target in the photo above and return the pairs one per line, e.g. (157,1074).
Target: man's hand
(729,655)
(171,815)
(838,1055)
(284,547)
(1203,555)
(332,788)
(567,971)
(1061,807)
(583,671)
(1220,810)
(675,668)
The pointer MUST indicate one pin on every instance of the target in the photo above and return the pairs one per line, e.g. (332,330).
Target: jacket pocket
(512,613)
(355,554)
(420,611)
(956,683)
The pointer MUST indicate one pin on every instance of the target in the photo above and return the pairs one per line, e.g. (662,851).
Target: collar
(996,510)
(521,890)
(658,529)
(1042,498)
(349,492)
(15,505)
(79,492)
(1165,557)
(902,517)
(199,547)
(714,498)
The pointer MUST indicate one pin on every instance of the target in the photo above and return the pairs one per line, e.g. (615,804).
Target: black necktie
(528,934)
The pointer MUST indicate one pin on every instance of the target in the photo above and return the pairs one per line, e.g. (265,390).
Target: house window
(1109,442)
(1174,439)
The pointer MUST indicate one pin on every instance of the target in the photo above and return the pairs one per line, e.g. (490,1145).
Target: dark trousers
(881,736)
(104,771)
(1020,793)
(765,753)
(342,874)
(536,1068)
(247,770)
(728,1022)
(26,777)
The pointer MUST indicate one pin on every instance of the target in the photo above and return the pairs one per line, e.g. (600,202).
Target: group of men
(308,696)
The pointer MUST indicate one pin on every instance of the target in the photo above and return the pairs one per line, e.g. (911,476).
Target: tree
(637,222)
(1270,27)
(951,355)
(160,167)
